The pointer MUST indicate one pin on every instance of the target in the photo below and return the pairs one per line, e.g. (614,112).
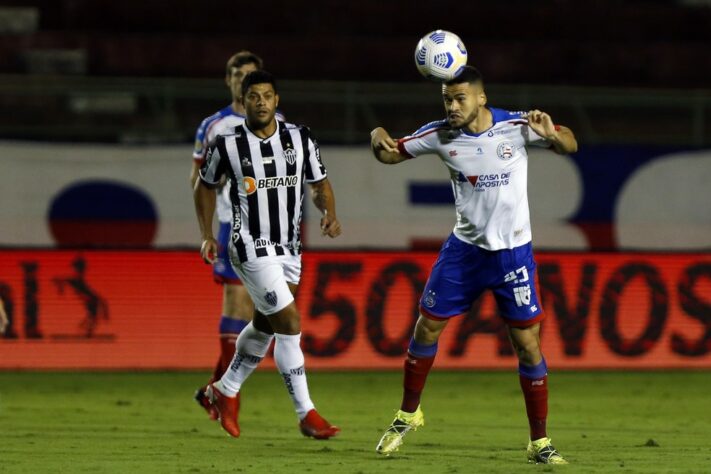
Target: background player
(269,162)
(237,307)
(4,322)
(490,247)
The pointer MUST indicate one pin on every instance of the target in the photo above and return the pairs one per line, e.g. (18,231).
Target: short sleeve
(423,141)
(200,146)
(314,169)
(215,164)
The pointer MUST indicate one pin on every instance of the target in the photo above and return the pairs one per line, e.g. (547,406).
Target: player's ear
(227,80)
(276,100)
(482,98)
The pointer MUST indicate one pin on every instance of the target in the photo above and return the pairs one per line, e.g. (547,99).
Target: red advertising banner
(160,309)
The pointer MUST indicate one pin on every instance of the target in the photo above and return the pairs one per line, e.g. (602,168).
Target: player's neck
(263,131)
(483,121)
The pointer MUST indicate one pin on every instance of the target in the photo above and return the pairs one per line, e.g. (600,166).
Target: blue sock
(231,326)
(421,350)
(533,372)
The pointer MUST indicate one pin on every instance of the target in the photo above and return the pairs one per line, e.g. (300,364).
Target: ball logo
(290,156)
(505,150)
(250,185)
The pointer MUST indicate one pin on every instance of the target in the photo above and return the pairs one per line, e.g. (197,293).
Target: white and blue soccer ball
(440,55)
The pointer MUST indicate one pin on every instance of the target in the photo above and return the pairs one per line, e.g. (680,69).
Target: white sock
(252,346)
(290,362)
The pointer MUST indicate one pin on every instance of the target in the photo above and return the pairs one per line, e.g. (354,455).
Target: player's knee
(237,302)
(529,351)
(286,321)
(427,331)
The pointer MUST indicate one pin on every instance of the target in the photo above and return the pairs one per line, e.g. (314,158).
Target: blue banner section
(102,200)
(604,170)
(430,193)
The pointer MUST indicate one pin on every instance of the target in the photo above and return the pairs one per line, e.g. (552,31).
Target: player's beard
(464,122)
(257,123)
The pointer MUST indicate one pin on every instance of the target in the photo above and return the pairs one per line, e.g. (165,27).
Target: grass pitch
(147,422)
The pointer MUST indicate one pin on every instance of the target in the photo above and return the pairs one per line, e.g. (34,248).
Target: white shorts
(266,281)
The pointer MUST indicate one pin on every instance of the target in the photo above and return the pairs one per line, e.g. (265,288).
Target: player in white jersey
(269,164)
(484,150)
(237,307)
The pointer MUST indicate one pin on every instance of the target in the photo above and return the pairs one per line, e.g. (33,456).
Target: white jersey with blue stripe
(222,122)
(489,173)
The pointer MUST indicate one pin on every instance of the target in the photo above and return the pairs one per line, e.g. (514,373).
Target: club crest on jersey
(271,298)
(290,155)
(505,150)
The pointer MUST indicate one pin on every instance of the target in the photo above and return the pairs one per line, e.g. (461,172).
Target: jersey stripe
(287,144)
(270,171)
(307,154)
(244,155)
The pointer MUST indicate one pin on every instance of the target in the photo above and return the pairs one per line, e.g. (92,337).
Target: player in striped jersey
(268,163)
(484,150)
(237,307)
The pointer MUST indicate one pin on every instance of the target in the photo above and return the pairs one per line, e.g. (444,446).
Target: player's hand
(3,319)
(381,140)
(330,225)
(208,250)
(542,124)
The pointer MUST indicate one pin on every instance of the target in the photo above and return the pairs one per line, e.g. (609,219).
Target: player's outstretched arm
(384,147)
(205,198)
(561,138)
(325,201)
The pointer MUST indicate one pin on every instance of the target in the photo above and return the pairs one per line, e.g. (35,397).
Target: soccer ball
(440,55)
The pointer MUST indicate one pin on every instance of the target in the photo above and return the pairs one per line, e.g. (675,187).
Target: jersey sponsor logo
(483,182)
(251,185)
(290,156)
(505,150)
(261,243)
(452,153)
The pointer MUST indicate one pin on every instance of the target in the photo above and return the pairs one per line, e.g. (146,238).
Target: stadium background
(98,243)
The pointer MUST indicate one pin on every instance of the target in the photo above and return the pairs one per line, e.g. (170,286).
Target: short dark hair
(467,74)
(241,58)
(257,77)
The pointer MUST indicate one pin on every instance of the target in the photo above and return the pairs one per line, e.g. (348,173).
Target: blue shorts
(222,270)
(463,271)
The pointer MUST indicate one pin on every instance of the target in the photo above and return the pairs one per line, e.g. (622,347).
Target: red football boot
(227,407)
(316,426)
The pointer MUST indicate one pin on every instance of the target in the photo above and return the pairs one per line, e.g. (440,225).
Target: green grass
(147,422)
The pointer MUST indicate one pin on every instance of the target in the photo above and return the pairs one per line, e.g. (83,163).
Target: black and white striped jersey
(267,177)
